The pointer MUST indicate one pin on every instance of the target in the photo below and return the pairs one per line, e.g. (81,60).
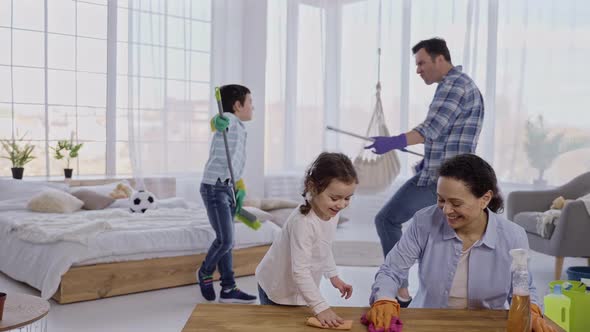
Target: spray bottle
(519,316)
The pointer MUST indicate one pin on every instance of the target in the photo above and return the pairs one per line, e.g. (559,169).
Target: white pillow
(170,203)
(54,201)
(120,203)
(103,189)
(19,189)
(173,202)
(260,214)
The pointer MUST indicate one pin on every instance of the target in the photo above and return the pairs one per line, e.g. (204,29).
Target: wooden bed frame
(91,282)
(83,283)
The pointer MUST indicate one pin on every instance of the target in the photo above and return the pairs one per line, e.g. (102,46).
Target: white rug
(357,253)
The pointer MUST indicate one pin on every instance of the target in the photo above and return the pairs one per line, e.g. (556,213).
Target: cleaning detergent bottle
(519,316)
(558,306)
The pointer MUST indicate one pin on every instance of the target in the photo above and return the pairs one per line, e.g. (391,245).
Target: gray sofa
(571,236)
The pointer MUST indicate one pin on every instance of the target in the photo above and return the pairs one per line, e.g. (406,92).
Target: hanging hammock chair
(376,173)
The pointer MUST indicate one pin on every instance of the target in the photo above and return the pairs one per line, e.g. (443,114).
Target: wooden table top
(21,310)
(257,318)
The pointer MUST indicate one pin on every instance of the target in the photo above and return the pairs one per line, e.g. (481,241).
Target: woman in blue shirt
(462,246)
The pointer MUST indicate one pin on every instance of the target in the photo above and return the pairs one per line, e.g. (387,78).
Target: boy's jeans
(408,200)
(220,210)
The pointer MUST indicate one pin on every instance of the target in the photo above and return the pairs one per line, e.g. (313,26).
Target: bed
(123,253)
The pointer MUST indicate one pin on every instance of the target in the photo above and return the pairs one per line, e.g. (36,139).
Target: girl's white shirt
(291,271)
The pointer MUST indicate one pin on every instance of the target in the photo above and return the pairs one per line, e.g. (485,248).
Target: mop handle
(220,109)
(367,139)
(349,133)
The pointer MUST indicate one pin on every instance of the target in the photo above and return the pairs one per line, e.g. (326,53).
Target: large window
(163,77)
(55,81)
(525,56)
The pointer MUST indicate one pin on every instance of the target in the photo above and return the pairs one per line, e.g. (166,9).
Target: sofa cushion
(539,223)
(269,204)
(280,216)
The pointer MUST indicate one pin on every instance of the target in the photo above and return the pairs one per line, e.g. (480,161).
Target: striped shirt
(453,122)
(216,167)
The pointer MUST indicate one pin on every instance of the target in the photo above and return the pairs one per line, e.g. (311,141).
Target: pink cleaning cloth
(395,326)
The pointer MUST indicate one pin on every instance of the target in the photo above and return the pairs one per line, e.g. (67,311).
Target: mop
(368,139)
(244,216)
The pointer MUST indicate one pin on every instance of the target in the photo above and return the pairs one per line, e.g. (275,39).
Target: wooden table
(21,310)
(256,318)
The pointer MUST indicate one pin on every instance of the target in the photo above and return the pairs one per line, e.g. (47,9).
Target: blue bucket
(578,272)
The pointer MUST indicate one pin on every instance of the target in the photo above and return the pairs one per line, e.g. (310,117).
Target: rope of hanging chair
(376,172)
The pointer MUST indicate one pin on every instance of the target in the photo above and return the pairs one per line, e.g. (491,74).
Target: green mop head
(248,219)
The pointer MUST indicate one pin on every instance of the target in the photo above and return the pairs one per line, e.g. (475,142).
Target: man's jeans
(400,208)
(264,299)
(220,210)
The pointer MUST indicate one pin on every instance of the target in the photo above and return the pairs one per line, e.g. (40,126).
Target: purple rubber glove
(384,144)
(395,326)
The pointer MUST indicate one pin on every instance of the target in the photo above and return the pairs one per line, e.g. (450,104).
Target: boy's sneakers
(235,295)
(206,285)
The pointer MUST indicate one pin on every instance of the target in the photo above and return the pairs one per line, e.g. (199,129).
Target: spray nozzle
(519,258)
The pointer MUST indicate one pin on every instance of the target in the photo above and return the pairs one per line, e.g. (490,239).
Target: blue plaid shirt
(453,123)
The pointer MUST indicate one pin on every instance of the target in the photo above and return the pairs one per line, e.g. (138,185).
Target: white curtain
(542,71)
(166,88)
(181,50)
(295,82)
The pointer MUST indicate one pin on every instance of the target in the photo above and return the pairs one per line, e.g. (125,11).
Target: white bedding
(37,252)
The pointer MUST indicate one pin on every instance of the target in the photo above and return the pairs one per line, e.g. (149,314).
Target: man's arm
(443,111)
(384,144)
(413,137)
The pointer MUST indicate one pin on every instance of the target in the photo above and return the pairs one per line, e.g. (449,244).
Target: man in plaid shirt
(451,127)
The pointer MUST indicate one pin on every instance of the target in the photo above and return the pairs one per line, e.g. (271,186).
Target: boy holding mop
(218,193)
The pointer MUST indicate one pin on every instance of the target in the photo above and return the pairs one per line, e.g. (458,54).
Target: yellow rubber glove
(538,323)
(240,185)
(382,312)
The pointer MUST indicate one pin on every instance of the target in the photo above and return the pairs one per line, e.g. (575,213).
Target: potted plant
(542,148)
(68,150)
(18,154)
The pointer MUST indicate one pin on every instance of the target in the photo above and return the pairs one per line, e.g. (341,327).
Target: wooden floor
(93,282)
(256,318)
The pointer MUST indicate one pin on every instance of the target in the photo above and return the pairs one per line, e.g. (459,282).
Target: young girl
(291,270)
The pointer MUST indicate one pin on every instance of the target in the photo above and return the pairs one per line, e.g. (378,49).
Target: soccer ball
(142,201)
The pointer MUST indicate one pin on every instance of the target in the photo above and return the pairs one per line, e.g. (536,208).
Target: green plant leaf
(17,154)
(542,148)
